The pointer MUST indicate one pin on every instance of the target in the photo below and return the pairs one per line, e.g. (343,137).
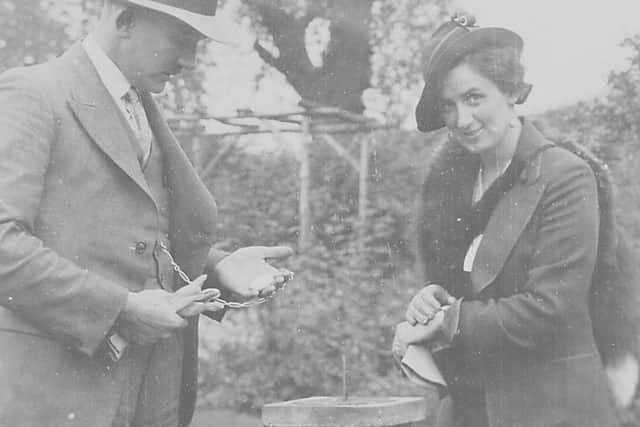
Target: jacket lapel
(101,118)
(512,213)
(193,209)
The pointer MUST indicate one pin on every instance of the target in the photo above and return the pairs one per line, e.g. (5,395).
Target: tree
(367,39)
(344,300)
(610,127)
(296,341)
(28,34)
(346,65)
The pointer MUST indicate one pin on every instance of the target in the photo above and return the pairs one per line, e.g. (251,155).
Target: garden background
(354,279)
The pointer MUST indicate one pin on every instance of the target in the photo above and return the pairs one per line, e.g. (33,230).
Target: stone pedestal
(353,412)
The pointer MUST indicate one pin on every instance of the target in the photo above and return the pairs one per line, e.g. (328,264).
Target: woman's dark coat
(524,350)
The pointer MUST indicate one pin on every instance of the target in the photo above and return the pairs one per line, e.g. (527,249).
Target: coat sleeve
(48,291)
(214,257)
(558,274)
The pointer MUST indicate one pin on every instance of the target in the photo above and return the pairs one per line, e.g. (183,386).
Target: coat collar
(512,212)
(193,209)
(116,83)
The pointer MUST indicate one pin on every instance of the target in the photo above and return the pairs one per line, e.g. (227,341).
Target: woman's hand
(407,334)
(427,303)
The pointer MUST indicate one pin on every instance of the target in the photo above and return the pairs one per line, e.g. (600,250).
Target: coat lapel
(512,213)
(193,209)
(101,118)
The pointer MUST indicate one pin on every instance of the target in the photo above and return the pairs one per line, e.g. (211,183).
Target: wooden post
(209,167)
(362,191)
(304,239)
(345,386)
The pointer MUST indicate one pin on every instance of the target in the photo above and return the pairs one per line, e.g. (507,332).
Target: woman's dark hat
(450,42)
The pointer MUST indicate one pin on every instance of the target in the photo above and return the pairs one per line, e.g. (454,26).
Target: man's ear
(125,22)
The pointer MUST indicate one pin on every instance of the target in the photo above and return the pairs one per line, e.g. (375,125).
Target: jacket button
(141,247)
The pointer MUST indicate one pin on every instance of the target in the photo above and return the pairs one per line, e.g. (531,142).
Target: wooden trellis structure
(315,123)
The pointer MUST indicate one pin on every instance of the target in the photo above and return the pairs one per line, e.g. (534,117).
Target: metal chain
(228,304)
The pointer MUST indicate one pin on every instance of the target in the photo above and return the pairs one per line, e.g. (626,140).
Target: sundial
(346,410)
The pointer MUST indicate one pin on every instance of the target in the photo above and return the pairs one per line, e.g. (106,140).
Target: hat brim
(428,116)
(213,27)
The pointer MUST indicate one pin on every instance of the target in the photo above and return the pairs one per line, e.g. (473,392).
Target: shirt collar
(112,78)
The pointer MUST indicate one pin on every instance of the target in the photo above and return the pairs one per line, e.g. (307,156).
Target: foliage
(257,197)
(610,127)
(369,43)
(345,300)
(33,31)
(399,32)
(28,35)
(344,69)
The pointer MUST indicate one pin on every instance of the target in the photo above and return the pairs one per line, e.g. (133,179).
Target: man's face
(160,47)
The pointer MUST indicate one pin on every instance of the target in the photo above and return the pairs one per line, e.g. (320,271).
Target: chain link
(228,304)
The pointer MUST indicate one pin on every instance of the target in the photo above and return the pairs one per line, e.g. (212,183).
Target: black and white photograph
(319,213)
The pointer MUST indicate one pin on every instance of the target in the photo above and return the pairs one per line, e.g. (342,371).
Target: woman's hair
(501,65)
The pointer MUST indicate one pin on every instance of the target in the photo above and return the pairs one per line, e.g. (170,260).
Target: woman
(508,234)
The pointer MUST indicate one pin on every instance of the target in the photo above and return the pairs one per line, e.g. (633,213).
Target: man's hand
(191,300)
(153,314)
(147,317)
(407,334)
(247,273)
(427,303)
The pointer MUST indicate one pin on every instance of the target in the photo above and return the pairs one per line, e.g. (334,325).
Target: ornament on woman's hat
(464,20)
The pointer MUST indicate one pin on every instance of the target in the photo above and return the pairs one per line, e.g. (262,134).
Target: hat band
(198,7)
(436,50)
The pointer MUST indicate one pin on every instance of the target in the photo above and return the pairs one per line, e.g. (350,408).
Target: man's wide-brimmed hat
(448,44)
(199,14)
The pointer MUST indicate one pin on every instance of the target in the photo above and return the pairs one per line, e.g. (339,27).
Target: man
(96,201)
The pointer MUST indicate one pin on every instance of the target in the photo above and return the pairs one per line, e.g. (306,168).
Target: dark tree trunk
(346,69)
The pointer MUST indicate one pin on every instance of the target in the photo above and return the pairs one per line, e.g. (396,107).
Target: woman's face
(474,109)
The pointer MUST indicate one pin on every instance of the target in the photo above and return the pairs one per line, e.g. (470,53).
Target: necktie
(139,124)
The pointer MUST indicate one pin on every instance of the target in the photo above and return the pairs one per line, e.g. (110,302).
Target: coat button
(141,247)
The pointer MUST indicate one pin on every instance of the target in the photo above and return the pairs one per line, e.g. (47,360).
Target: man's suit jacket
(77,226)
(524,337)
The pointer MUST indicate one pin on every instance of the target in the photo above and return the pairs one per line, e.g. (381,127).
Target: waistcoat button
(141,247)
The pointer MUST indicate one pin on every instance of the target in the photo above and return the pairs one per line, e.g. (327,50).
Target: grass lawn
(223,418)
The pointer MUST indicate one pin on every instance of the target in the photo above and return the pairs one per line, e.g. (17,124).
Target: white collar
(479,188)
(112,78)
